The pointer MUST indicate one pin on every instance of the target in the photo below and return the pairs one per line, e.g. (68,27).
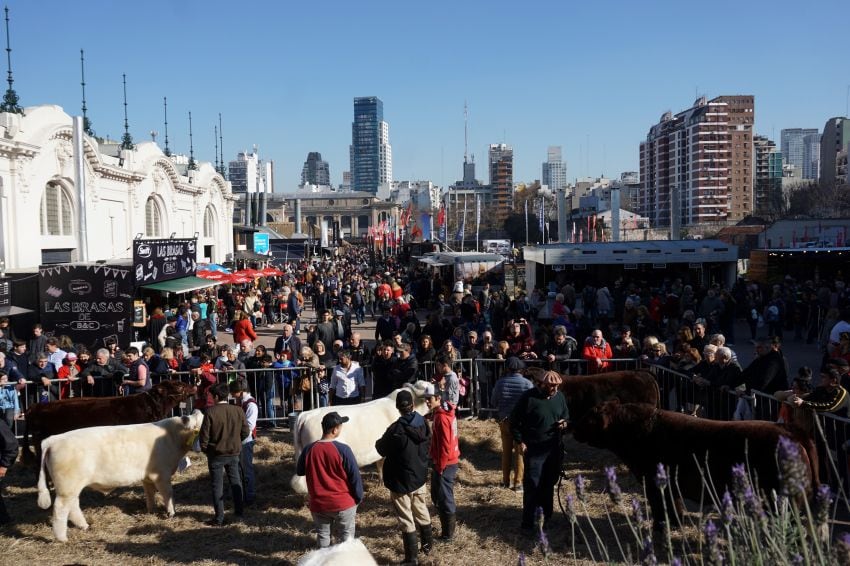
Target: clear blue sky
(589,76)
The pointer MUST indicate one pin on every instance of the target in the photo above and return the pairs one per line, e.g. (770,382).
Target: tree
(515,227)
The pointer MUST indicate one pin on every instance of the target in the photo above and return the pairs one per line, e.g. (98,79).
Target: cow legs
(163,485)
(76,514)
(61,509)
(150,495)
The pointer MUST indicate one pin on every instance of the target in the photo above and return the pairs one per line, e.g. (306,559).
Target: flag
(426,226)
(441,216)
(477,210)
(460,231)
(406,214)
(541,221)
(593,229)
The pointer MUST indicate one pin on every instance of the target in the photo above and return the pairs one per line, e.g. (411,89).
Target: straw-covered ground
(278,529)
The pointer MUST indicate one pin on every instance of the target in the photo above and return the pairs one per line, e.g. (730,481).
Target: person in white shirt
(239,391)
(347,382)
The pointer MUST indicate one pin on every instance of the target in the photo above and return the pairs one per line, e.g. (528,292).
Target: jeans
(213,319)
(443,489)
(542,466)
(268,393)
(341,521)
(247,469)
(360,314)
(218,466)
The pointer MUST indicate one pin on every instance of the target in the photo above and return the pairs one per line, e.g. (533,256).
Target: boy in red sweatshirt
(445,453)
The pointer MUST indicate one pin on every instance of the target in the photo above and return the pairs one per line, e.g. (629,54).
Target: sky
(591,76)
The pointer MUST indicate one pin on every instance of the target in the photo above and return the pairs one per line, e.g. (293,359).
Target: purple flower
(580,487)
(713,543)
(521,561)
(797,559)
(842,549)
(752,504)
(661,479)
(647,552)
(543,543)
(539,519)
(727,511)
(792,471)
(823,501)
(571,510)
(676,561)
(637,511)
(611,486)
(740,481)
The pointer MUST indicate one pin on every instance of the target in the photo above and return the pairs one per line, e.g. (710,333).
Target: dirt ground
(278,529)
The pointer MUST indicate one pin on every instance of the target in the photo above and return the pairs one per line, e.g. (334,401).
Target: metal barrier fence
(832,432)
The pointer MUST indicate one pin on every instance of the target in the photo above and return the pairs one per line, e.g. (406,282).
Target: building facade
(697,166)
(811,156)
(370,151)
(792,142)
(834,145)
(767,177)
(316,171)
(353,212)
(126,193)
(554,174)
(501,159)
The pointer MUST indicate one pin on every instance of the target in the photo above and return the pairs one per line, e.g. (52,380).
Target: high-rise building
(370,151)
(252,179)
(501,179)
(315,171)
(792,145)
(834,145)
(767,177)
(811,156)
(244,172)
(554,169)
(697,166)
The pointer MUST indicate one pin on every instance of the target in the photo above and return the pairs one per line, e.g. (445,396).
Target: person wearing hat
(536,421)
(504,397)
(222,432)
(68,374)
(334,485)
(445,455)
(405,447)
(239,391)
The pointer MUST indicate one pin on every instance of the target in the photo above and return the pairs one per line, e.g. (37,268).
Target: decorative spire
(215,137)
(10,99)
(192,165)
(223,170)
(126,139)
(86,122)
(165,108)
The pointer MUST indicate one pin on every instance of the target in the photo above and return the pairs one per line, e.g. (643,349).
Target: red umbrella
(237,278)
(271,272)
(248,272)
(213,275)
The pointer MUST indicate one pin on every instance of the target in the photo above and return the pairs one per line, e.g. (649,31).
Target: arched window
(209,223)
(56,212)
(153,219)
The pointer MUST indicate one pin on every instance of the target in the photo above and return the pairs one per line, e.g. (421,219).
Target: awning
(182,285)
(12,311)
(433,261)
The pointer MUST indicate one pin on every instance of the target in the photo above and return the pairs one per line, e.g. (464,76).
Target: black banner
(89,303)
(5,293)
(161,260)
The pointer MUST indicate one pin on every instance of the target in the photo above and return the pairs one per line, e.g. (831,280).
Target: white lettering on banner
(84,306)
(169,250)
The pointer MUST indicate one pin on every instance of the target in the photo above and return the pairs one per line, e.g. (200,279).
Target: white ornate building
(127,193)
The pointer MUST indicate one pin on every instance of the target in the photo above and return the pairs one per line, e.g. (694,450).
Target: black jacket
(404,371)
(383,376)
(8,446)
(405,449)
(767,373)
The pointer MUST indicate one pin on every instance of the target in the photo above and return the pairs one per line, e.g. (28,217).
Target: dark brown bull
(643,436)
(584,392)
(47,419)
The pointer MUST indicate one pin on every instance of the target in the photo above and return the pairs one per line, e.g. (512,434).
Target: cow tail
(44,493)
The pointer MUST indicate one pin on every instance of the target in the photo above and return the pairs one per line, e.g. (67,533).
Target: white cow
(349,553)
(106,457)
(367,424)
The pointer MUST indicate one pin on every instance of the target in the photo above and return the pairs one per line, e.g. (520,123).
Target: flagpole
(463,224)
(477,219)
(526,220)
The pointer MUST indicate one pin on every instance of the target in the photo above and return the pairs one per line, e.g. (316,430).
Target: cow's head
(191,427)
(173,392)
(594,426)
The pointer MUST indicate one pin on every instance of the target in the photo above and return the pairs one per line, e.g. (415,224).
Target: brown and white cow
(643,436)
(368,422)
(46,419)
(106,457)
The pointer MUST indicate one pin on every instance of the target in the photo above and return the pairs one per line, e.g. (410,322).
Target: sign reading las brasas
(161,260)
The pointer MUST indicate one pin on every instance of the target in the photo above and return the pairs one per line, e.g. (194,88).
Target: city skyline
(267,76)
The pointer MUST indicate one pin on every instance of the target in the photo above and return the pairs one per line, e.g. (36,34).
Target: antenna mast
(10,99)
(165,108)
(215,137)
(223,171)
(86,122)
(192,165)
(127,139)
(465,132)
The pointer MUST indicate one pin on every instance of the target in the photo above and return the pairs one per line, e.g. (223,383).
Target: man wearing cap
(404,446)
(445,454)
(536,422)
(504,398)
(333,482)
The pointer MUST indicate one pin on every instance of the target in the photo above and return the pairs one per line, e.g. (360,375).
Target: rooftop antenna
(465,132)
(215,137)
(192,165)
(86,122)
(165,109)
(223,171)
(10,99)
(126,139)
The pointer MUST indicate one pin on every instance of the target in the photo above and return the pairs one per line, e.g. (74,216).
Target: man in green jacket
(537,420)
(222,433)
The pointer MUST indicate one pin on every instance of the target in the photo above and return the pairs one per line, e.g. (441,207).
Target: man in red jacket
(445,453)
(597,352)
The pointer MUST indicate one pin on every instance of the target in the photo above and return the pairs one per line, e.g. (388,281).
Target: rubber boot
(426,537)
(447,522)
(411,549)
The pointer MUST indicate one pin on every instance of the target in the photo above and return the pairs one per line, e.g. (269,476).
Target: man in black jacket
(405,369)
(404,446)
(198,334)
(383,366)
(8,455)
